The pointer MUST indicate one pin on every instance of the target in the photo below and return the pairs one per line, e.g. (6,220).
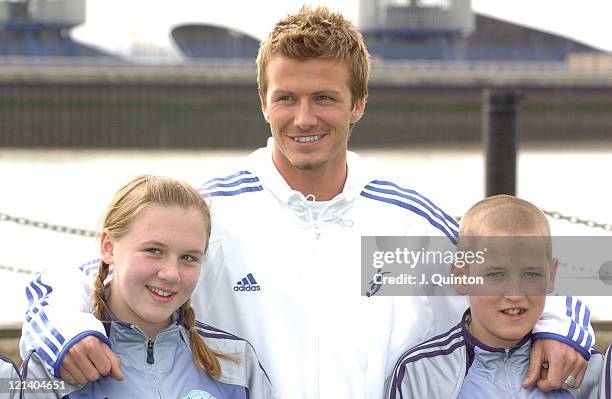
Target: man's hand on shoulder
(88,360)
(562,361)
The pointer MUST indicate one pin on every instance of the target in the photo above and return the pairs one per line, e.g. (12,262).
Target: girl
(153,239)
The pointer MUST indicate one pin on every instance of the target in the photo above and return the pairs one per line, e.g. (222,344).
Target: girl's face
(156,265)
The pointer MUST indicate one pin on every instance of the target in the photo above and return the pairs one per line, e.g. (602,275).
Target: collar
(136,351)
(177,317)
(475,347)
(261,163)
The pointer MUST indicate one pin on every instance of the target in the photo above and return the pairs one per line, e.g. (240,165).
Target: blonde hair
(317,33)
(126,206)
(505,214)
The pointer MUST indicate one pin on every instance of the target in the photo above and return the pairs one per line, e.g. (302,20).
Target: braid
(99,309)
(205,358)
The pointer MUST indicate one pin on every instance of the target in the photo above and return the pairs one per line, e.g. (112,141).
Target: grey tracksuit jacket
(9,377)
(164,368)
(456,365)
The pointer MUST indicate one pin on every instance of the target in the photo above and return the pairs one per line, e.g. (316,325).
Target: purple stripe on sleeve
(233,184)
(568,306)
(398,379)
(242,172)
(418,201)
(401,204)
(232,193)
(449,218)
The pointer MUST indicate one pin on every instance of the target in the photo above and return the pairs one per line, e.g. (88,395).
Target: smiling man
(283,267)
(311,103)
(310,109)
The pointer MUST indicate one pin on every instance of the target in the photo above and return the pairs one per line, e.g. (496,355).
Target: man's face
(517,275)
(309,108)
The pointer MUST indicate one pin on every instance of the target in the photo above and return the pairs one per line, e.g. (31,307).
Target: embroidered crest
(199,395)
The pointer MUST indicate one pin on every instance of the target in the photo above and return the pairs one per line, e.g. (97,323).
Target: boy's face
(517,275)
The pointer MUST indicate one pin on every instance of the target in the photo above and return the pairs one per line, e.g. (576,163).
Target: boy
(487,354)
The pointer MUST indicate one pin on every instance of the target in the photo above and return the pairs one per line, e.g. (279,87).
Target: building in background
(41,28)
(448,30)
(433,30)
(209,41)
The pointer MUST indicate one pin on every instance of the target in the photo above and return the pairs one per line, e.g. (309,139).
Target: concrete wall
(204,115)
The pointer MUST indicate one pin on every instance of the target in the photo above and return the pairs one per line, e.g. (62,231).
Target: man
(283,264)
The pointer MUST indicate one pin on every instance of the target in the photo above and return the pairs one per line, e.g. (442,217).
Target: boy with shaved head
(487,354)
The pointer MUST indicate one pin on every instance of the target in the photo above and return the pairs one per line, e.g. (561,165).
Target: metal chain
(577,220)
(58,228)
(18,270)
(90,233)
(572,219)
(575,267)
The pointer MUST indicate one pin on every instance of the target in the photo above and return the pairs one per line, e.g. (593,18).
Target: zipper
(317,230)
(506,372)
(150,358)
(316,225)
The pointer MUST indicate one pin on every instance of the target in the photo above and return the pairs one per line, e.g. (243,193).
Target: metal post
(500,138)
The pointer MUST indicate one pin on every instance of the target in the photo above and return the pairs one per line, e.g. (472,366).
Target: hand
(88,360)
(563,361)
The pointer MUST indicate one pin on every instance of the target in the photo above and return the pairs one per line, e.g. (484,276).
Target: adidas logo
(248,283)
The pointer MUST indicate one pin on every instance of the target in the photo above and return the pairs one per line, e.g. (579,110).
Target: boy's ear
(552,273)
(106,247)
(457,271)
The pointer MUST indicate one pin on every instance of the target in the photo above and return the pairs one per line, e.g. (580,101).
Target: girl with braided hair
(153,239)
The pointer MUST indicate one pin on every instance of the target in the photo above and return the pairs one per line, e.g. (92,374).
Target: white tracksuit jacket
(290,283)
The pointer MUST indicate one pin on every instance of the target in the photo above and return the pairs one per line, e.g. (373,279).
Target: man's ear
(358,110)
(552,273)
(457,271)
(106,247)
(264,107)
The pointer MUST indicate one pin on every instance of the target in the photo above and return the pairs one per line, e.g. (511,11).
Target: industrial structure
(449,30)
(209,41)
(434,30)
(416,17)
(41,28)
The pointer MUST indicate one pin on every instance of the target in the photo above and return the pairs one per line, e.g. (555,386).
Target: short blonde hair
(507,215)
(317,33)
